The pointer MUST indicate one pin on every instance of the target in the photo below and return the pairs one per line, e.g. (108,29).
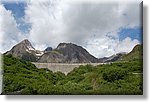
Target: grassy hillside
(135,54)
(21,77)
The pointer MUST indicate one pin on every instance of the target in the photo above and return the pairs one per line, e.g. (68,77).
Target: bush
(22,77)
(112,74)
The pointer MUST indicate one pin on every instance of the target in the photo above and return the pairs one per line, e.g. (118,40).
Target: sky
(102,28)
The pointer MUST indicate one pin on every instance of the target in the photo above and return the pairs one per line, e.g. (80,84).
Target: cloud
(82,23)
(126,45)
(94,26)
(107,47)
(47,23)
(8,30)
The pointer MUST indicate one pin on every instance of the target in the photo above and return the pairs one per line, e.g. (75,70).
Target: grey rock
(68,53)
(25,51)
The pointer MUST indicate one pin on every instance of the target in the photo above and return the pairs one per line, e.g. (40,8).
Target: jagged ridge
(66,53)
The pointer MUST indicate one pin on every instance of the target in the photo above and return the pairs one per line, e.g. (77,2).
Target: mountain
(64,53)
(135,54)
(68,53)
(25,51)
(112,58)
(48,49)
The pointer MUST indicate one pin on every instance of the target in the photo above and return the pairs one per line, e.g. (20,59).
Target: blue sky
(133,33)
(16,8)
(18,11)
(87,25)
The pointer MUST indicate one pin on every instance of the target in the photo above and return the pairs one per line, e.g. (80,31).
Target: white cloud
(47,25)
(8,30)
(84,23)
(107,46)
(57,21)
(126,45)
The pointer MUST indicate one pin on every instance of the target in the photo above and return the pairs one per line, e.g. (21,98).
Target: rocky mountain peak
(27,45)
(75,54)
(69,46)
(25,51)
(25,41)
(62,45)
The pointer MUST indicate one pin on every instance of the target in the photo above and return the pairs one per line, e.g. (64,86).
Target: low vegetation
(22,77)
(135,54)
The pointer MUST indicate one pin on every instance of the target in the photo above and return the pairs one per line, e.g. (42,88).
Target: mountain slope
(112,58)
(25,51)
(68,53)
(52,57)
(135,54)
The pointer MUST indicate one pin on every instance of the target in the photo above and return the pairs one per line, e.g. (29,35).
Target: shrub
(112,74)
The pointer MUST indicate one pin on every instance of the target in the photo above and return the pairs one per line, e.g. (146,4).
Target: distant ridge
(67,53)
(113,58)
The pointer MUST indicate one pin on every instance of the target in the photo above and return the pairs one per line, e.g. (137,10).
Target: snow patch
(39,53)
(30,48)
(27,50)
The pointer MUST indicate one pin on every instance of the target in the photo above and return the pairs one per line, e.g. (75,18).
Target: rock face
(25,51)
(68,53)
(52,57)
(112,58)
